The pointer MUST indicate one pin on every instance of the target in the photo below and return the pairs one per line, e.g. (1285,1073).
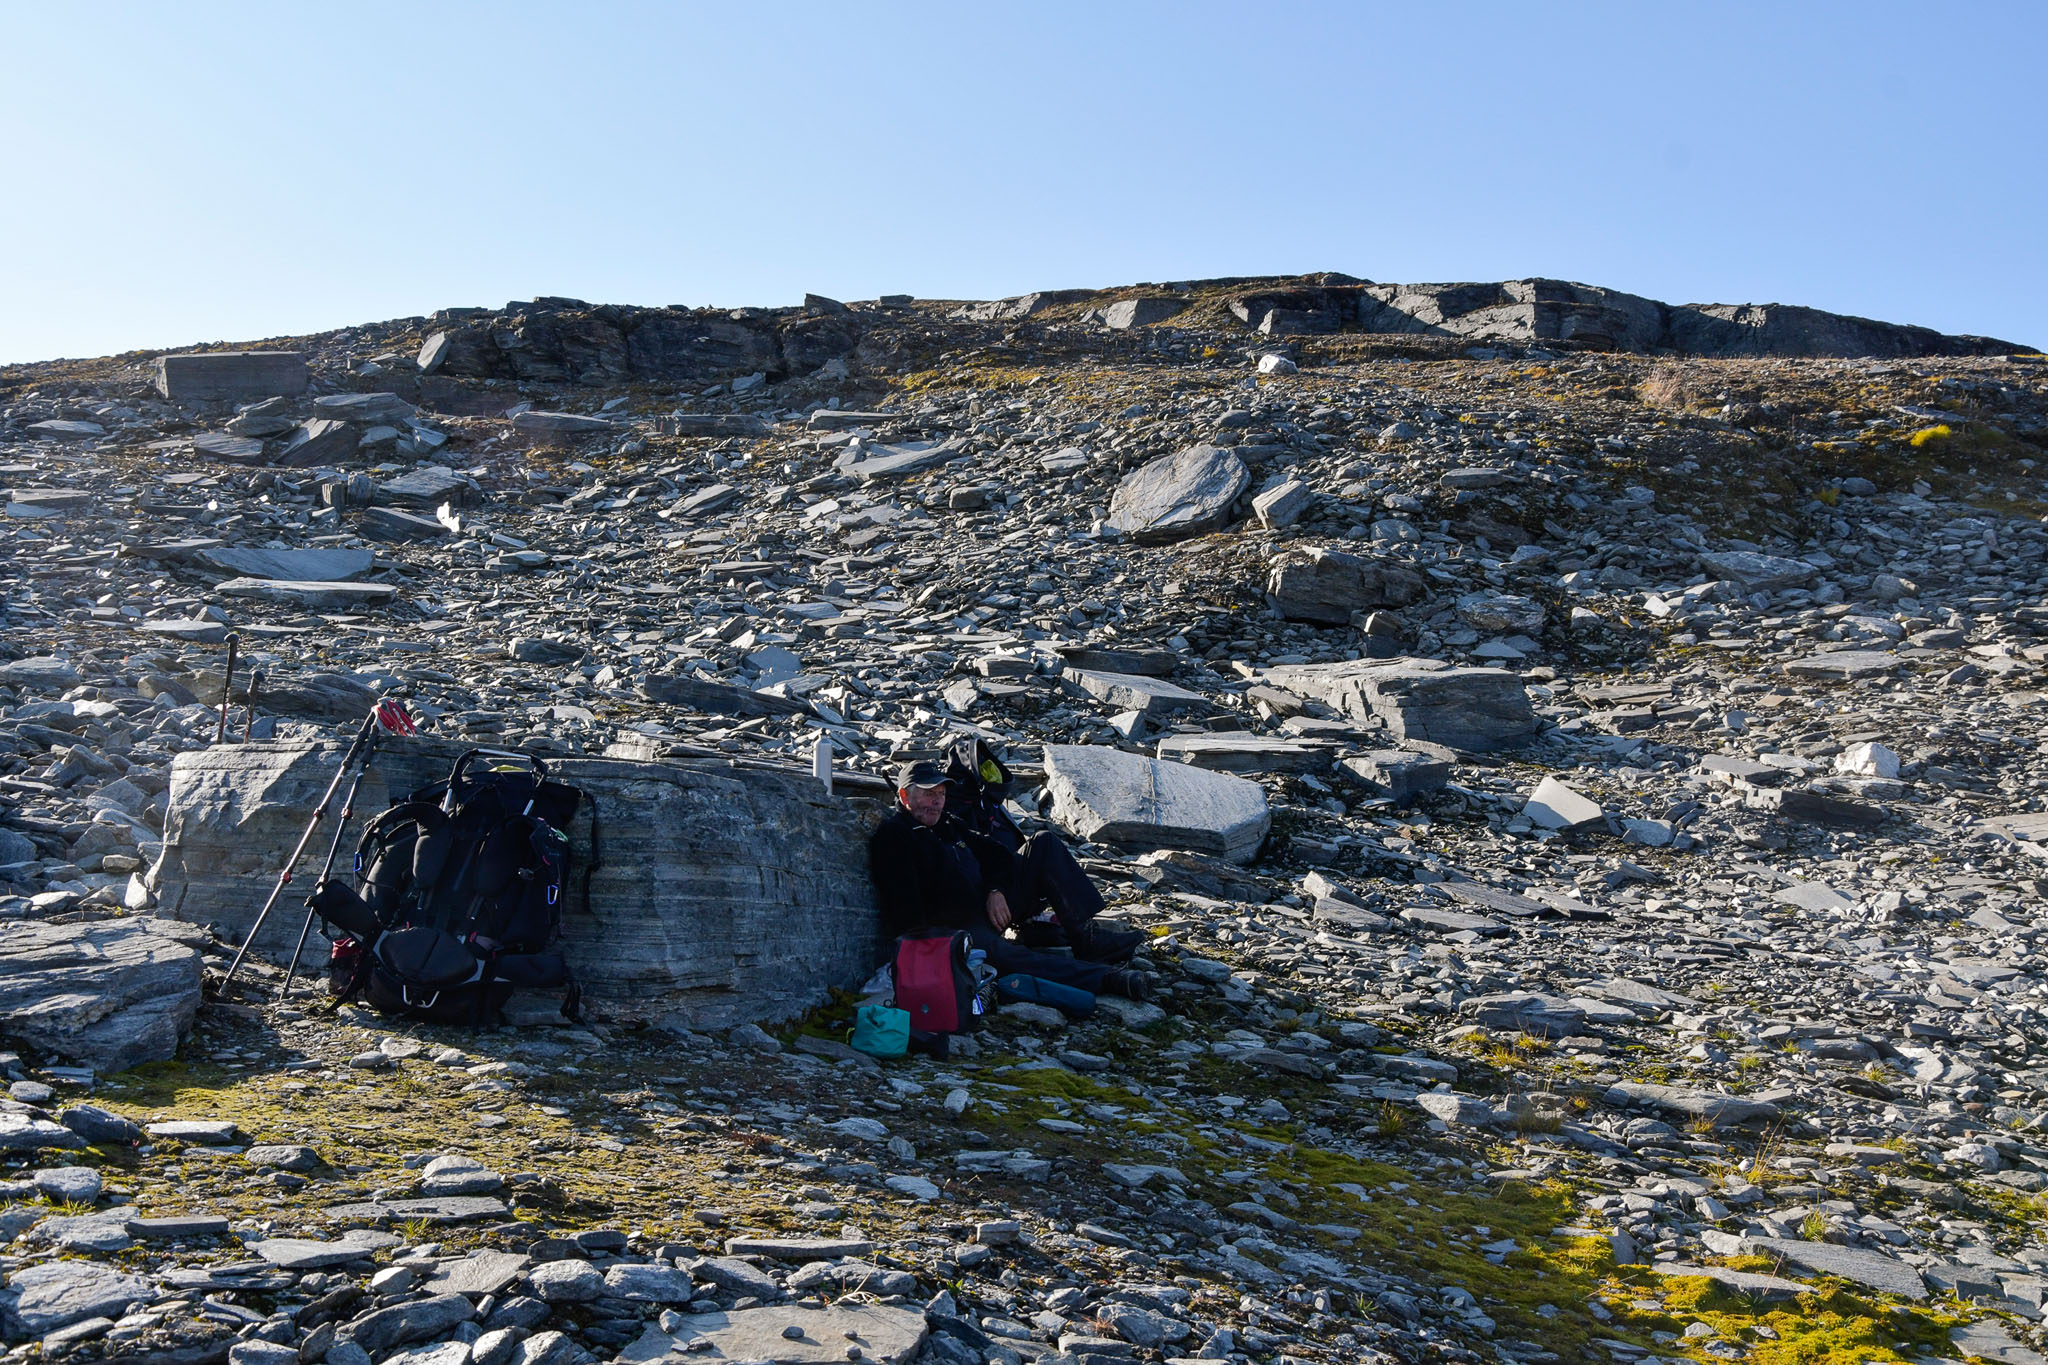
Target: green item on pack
(881,1031)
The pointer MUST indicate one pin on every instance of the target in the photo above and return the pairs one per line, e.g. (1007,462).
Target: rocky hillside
(1609,927)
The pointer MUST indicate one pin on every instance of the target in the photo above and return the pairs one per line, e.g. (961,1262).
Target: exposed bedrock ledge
(721,894)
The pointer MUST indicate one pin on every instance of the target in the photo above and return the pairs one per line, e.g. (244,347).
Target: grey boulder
(42,1298)
(1545,1016)
(328,566)
(745,892)
(1128,313)
(885,1335)
(1474,709)
(1175,496)
(1758,572)
(1327,586)
(109,995)
(1107,795)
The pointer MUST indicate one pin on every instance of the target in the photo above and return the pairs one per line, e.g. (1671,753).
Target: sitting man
(1053,905)
(932,871)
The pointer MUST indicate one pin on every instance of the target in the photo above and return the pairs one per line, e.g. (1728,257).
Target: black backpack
(458,894)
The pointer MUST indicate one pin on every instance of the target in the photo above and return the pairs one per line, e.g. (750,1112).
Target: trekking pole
(227,683)
(388,714)
(348,812)
(249,716)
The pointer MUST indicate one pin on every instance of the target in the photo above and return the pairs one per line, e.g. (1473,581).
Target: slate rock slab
(222,445)
(872,462)
(1327,586)
(1239,751)
(1988,1340)
(233,376)
(1125,314)
(885,1335)
(1474,709)
(404,1323)
(1771,1287)
(1716,1108)
(1156,697)
(1845,665)
(717,698)
(1545,1016)
(320,566)
(454,1208)
(1175,496)
(42,672)
(212,1132)
(25,1133)
(559,423)
(1873,1269)
(1758,572)
(109,995)
(744,892)
(308,593)
(1453,921)
(1556,805)
(42,1298)
(323,440)
(1145,663)
(429,487)
(477,1274)
(1402,775)
(798,1248)
(297,1253)
(1109,796)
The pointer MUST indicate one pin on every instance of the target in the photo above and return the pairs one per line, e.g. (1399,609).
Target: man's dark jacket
(937,877)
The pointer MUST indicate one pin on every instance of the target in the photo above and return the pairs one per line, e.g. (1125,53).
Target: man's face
(925,804)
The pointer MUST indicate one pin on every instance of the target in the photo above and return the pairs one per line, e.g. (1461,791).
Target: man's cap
(923,773)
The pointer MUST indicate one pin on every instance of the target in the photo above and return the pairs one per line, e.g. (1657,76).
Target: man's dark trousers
(1008,957)
(1047,875)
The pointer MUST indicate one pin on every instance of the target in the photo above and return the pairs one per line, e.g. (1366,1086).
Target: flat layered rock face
(231,376)
(718,895)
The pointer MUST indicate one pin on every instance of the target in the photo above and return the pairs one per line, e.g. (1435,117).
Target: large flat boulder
(1758,572)
(293,592)
(1179,495)
(231,376)
(1327,586)
(1872,1269)
(1240,751)
(722,895)
(1156,697)
(304,566)
(882,1333)
(40,1299)
(1106,795)
(1474,709)
(110,994)
(877,461)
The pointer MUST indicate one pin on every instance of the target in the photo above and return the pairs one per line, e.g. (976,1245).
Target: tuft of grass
(1814,1227)
(1391,1121)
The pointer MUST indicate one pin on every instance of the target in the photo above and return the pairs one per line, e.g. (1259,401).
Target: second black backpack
(458,894)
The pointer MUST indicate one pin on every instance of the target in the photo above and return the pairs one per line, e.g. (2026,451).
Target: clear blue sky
(197,171)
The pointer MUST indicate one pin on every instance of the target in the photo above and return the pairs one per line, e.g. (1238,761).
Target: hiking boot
(1132,985)
(1099,942)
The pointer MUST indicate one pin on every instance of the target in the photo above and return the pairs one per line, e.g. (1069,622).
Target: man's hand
(998,911)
